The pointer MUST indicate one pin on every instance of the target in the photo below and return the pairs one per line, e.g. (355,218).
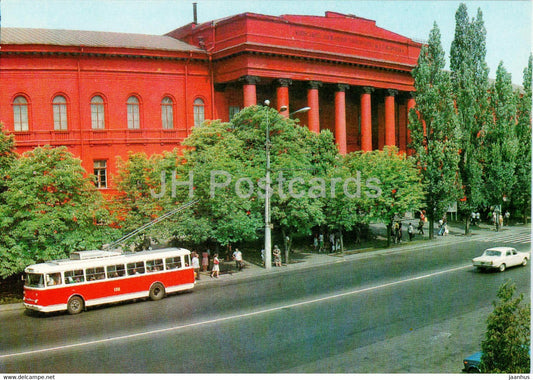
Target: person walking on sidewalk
(216,269)
(277,256)
(205,261)
(237,256)
(411,231)
(196,266)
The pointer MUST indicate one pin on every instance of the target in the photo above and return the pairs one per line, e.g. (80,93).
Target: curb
(325,259)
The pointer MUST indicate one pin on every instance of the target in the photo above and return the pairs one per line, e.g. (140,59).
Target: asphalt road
(420,311)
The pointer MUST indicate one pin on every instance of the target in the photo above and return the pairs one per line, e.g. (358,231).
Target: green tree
(500,143)
(50,208)
(521,199)
(507,340)
(435,130)
(391,184)
(469,74)
(218,159)
(7,156)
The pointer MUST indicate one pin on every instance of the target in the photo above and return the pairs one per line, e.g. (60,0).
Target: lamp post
(268,192)
(268,237)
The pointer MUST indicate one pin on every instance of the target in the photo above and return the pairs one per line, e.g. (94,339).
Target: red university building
(106,94)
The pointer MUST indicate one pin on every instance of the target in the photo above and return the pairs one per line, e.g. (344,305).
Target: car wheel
(473,370)
(501,268)
(524,262)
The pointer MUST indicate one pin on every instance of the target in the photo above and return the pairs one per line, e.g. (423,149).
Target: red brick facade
(105,94)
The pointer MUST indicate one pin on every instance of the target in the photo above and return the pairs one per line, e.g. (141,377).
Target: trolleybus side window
(114,271)
(136,268)
(92,274)
(154,265)
(34,280)
(53,279)
(187,260)
(173,262)
(73,276)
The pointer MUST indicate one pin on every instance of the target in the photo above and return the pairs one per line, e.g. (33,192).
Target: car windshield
(491,252)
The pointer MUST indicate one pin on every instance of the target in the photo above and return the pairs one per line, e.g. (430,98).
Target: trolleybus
(97,277)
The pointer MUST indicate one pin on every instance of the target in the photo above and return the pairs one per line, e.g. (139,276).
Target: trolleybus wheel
(157,291)
(75,305)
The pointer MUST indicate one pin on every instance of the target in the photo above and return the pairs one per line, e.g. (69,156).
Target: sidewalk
(230,274)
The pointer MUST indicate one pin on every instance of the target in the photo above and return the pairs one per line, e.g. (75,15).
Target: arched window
(59,105)
(167,114)
(20,114)
(199,112)
(97,112)
(133,113)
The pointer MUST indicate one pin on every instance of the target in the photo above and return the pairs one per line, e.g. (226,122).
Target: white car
(501,258)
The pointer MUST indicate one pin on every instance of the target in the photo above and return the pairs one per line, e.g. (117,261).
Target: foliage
(392,184)
(521,199)
(50,208)
(500,144)
(507,340)
(470,82)
(435,130)
(7,155)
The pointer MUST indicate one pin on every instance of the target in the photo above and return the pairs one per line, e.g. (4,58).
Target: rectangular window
(97,116)
(114,271)
(100,174)
(53,279)
(154,265)
(60,117)
(133,116)
(136,268)
(93,274)
(74,276)
(233,110)
(173,262)
(20,113)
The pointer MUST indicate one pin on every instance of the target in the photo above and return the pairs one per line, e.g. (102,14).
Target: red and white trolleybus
(97,277)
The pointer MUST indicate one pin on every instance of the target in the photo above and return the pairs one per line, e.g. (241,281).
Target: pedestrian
(332,242)
(441,227)
(420,227)
(507,217)
(277,256)
(320,242)
(395,232)
(237,256)
(216,269)
(411,231)
(196,265)
(205,261)
(500,220)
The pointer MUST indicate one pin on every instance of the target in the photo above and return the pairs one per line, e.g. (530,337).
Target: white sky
(508,23)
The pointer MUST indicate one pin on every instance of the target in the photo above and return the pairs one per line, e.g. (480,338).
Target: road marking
(233,317)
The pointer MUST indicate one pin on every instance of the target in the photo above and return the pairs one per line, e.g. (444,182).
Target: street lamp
(304,109)
(268,237)
(268,226)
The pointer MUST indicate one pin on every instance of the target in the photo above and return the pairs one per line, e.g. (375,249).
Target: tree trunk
(287,244)
(467,225)
(389,231)
(342,242)
(431,228)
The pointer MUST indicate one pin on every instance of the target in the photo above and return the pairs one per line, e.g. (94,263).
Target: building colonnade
(365,103)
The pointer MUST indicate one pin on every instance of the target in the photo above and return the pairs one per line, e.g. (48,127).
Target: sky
(508,23)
